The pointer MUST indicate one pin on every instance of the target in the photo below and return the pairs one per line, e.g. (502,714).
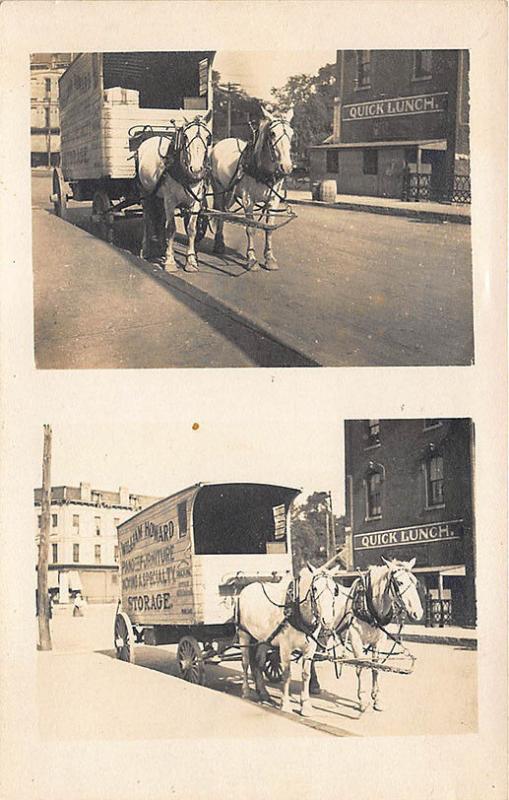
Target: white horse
(253,174)
(172,175)
(367,607)
(268,616)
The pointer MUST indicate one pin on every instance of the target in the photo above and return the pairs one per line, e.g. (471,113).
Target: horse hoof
(252,265)
(378,706)
(265,698)
(286,707)
(219,248)
(246,694)
(190,267)
(271,264)
(363,707)
(306,709)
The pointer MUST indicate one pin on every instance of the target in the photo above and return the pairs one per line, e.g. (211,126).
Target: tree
(309,531)
(234,110)
(312,100)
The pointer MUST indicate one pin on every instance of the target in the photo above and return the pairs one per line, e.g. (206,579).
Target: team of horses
(181,171)
(320,614)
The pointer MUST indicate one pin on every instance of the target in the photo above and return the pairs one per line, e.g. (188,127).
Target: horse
(367,607)
(171,174)
(253,175)
(288,615)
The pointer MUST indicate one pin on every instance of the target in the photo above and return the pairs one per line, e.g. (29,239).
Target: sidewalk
(434,212)
(449,634)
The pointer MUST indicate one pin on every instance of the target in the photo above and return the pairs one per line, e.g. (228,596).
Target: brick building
(409,495)
(45,70)
(83,548)
(398,114)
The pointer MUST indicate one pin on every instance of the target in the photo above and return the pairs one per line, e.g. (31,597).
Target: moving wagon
(184,560)
(108,103)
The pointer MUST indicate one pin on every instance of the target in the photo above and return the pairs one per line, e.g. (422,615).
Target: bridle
(397,594)
(272,144)
(183,145)
(314,596)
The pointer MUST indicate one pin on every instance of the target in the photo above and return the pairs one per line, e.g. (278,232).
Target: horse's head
(320,589)
(403,585)
(278,135)
(195,140)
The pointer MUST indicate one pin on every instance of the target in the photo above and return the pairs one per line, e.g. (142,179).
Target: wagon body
(183,559)
(103,95)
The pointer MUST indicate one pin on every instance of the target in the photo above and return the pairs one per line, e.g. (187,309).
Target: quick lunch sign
(418,534)
(396,107)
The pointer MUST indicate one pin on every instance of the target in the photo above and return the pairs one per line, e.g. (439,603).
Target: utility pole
(330,528)
(42,562)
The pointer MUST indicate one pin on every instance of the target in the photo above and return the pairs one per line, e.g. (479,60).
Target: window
(363,79)
(54,520)
(75,553)
(47,84)
(374,495)
(47,119)
(97,526)
(115,554)
(422,64)
(434,469)
(332,161)
(54,553)
(76,522)
(204,76)
(373,432)
(370,162)
(97,553)
(182,518)
(39,520)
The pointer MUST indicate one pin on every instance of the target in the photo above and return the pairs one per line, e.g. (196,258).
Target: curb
(430,216)
(458,641)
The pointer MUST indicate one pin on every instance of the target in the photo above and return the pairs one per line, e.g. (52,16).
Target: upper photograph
(251,209)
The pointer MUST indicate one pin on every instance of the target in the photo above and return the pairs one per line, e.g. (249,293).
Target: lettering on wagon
(148,530)
(150,602)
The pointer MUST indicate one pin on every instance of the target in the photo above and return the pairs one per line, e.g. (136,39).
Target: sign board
(396,107)
(418,534)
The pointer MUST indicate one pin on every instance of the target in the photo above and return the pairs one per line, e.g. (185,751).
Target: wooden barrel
(327,191)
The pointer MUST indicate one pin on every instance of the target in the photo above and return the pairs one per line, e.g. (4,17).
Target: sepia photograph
(327,603)
(244,209)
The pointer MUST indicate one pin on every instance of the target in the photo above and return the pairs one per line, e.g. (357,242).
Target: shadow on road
(260,347)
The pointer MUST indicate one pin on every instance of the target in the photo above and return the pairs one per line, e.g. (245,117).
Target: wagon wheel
(102,216)
(190,659)
(273,670)
(124,638)
(59,195)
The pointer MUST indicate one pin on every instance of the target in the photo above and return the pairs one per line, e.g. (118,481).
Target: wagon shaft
(237,219)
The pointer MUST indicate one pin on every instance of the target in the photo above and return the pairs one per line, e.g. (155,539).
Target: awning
(424,144)
(53,582)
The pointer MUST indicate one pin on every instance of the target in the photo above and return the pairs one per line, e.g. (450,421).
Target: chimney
(85,493)
(124,496)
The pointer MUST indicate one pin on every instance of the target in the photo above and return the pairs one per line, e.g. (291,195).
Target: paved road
(354,289)
(438,698)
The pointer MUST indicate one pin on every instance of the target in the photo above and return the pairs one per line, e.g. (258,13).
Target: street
(439,697)
(353,289)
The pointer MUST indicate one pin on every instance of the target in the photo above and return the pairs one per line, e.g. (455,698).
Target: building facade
(401,125)
(83,547)
(409,492)
(45,70)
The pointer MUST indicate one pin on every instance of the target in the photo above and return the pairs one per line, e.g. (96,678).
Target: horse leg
(252,263)
(270,262)
(245,647)
(191,262)
(254,657)
(306,709)
(375,690)
(285,656)
(149,227)
(219,205)
(358,651)
(169,263)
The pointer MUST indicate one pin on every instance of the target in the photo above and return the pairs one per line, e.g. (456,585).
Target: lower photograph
(280,592)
